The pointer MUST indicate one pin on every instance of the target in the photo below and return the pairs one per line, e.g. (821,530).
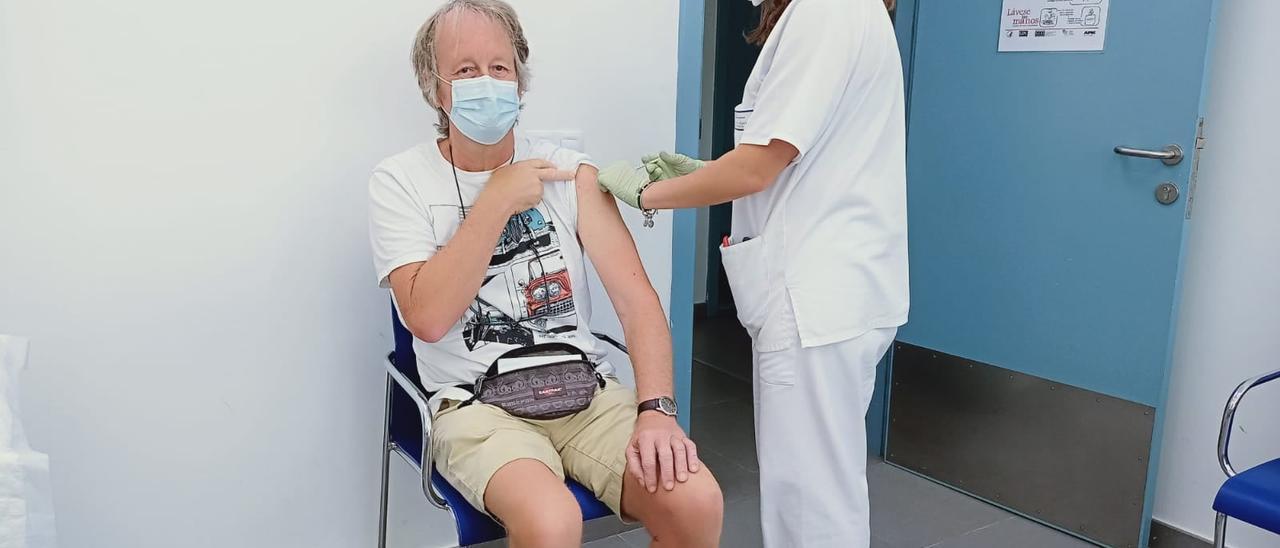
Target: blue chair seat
(474,527)
(1253,496)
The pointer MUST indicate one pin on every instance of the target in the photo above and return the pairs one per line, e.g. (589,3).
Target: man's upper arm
(608,243)
(400,233)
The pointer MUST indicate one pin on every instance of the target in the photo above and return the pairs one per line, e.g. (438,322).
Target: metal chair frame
(1224,442)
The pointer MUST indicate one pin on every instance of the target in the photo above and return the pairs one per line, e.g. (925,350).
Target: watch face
(667,405)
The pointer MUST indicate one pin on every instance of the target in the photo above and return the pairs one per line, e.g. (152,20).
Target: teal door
(1044,260)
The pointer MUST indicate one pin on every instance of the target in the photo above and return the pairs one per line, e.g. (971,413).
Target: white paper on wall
(1053,25)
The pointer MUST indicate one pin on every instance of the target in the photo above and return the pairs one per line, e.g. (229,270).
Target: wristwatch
(664,405)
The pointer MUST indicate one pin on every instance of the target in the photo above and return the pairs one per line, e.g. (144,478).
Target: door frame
(684,231)
(904,24)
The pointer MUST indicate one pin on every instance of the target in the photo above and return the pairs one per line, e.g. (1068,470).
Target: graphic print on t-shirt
(527,295)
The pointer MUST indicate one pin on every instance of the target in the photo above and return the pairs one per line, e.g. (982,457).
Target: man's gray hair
(424,48)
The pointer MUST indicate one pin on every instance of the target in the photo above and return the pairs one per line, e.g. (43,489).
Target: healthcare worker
(817,258)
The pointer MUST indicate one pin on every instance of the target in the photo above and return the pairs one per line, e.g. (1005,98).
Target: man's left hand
(660,451)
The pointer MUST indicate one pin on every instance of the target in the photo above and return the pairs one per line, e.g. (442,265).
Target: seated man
(481,237)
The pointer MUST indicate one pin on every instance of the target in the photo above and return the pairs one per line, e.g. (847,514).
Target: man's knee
(693,513)
(547,525)
(702,501)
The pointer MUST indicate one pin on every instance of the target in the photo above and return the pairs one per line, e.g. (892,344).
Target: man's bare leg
(690,516)
(534,505)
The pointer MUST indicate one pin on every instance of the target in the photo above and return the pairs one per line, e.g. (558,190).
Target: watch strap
(654,405)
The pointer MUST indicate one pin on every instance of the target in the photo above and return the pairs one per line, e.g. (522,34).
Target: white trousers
(811,438)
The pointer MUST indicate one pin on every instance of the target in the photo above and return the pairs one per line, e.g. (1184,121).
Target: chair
(1252,496)
(407,432)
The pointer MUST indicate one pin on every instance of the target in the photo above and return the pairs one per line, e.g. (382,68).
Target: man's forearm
(444,286)
(651,352)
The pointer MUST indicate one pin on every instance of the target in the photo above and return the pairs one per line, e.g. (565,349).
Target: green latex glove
(624,181)
(666,165)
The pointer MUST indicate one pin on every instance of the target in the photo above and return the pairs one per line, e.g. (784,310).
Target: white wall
(1230,314)
(182,234)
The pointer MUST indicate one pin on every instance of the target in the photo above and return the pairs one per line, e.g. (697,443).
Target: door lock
(1166,193)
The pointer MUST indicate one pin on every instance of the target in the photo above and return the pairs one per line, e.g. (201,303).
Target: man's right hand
(518,187)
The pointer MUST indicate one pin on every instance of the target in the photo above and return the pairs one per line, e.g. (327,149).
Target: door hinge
(1195,167)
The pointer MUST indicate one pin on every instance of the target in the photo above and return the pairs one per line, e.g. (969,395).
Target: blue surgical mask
(484,108)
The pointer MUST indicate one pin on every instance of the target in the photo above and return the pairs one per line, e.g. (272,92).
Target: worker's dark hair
(771,11)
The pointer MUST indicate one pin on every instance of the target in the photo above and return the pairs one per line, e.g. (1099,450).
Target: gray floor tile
(603,532)
(711,386)
(608,542)
(877,543)
(736,481)
(1167,536)
(1015,532)
(907,510)
(638,538)
(605,527)
(722,342)
(729,429)
(742,524)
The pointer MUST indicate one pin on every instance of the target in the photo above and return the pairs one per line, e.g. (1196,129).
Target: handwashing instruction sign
(1053,25)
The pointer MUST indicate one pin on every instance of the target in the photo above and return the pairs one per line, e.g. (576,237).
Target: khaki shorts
(471,443)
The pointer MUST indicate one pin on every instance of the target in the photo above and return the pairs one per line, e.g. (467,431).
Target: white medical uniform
(818,261)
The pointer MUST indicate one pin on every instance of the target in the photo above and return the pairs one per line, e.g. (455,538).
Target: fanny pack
(562,386)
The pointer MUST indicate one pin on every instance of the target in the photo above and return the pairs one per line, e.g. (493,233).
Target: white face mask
(484,108)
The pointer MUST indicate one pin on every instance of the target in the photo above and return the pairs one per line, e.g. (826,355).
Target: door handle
(1170,155)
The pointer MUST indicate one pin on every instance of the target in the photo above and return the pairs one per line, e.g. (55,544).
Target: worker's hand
(666,165)
(624,181)
(659,452)
(518,187)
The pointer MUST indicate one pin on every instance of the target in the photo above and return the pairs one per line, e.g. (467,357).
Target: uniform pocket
(748,273)
(776,368)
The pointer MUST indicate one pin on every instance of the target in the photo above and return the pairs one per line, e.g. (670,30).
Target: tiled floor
(720,341)
(906,511)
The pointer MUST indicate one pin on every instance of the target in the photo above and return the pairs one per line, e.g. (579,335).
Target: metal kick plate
(1067,456)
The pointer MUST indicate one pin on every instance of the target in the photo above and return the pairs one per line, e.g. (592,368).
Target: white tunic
(825,265)
(833,227)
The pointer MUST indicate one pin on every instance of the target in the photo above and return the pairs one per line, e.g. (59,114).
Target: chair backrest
(404,358)
(406,423)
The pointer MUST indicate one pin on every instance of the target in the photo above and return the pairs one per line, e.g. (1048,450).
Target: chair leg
(1220,532)
(386,467)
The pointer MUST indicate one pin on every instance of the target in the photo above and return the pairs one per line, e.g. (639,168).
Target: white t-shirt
(829,81)
(535,290)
